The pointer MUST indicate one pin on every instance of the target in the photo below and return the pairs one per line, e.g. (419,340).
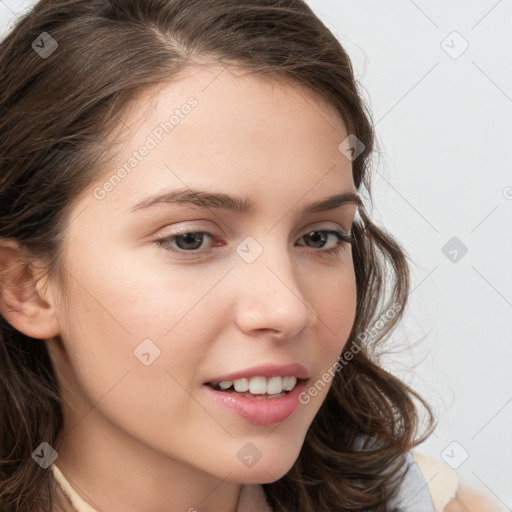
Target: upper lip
(264,370)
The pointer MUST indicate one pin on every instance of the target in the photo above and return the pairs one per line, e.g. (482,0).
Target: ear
(23,302)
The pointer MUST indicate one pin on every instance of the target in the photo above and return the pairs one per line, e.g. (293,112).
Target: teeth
(260,385)
(241,385)
(257,385)
(274,385)
(289,383)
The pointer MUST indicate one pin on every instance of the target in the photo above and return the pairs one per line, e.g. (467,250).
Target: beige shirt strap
(76,501)
(441,479)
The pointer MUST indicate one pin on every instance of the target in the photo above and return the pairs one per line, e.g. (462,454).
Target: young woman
(192,293)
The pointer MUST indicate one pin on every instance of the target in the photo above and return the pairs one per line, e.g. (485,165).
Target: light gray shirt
(414,495)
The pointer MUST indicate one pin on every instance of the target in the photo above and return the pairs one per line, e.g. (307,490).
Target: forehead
(226,95)
(224,129)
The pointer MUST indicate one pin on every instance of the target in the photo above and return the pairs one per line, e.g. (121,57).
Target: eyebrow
(237,204)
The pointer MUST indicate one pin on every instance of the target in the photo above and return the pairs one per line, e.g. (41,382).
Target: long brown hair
(56,112)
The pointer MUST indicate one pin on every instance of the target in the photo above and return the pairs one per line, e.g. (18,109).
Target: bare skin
(470,500)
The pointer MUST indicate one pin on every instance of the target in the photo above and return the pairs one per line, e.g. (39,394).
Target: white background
(443,127)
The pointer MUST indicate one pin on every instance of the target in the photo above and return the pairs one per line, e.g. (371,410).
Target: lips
(260,410)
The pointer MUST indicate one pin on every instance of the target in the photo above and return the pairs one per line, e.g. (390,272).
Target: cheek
(122,309)
(113,329)
(336,309)
(335,301)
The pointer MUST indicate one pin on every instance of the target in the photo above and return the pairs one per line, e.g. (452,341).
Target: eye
(341,239)
(188,243)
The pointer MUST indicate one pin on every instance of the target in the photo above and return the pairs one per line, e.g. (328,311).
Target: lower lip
(260,411)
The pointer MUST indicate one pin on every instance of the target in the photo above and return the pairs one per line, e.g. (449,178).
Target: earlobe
(22,302)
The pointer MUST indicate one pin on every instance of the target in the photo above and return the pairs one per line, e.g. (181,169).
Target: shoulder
(446,492)
(469,500)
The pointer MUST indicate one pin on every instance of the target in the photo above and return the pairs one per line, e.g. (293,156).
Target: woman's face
(149,323)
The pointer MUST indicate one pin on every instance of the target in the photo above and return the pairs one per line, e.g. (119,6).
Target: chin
(263,472)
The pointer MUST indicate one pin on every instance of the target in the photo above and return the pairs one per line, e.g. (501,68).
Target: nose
(270,299)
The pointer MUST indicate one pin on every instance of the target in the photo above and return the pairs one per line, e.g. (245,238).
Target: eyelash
(343,238)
